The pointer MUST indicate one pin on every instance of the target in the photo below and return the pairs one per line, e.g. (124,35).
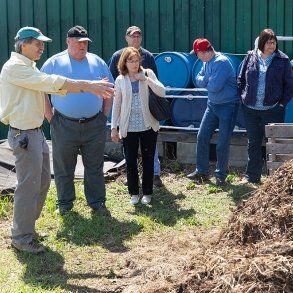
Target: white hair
(19,43)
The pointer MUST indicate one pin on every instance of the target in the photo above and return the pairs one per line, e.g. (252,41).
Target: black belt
(79,120)
(37,128)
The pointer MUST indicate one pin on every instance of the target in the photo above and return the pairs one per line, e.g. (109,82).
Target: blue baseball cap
(31,32)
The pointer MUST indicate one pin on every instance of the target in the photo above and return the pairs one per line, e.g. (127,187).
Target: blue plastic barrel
(195,70)
(174,69)
(188,112)
(289,112)
(198,65)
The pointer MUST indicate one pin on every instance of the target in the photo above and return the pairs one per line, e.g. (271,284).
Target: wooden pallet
(279,146)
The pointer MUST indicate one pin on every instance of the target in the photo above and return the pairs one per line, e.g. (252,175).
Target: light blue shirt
(136,121)
(263,67)
(77,105)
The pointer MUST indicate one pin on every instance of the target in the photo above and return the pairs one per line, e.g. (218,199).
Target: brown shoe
(31,247)
(157,181)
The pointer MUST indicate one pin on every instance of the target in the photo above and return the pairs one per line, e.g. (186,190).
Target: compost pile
(254,252)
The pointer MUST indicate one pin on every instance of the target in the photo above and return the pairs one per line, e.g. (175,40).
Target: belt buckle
(82,120)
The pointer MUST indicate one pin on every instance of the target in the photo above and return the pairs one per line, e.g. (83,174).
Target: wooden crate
(279,146)
(186,146)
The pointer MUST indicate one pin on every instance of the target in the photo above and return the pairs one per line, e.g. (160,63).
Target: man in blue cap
(22,106)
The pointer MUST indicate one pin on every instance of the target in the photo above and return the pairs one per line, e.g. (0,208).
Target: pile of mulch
(268,214)
(254,252)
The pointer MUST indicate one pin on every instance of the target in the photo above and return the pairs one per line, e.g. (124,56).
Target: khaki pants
(32,166)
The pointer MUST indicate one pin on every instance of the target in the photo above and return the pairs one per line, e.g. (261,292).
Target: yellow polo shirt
(22,88)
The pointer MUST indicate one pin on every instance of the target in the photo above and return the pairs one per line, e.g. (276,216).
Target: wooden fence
(279,146)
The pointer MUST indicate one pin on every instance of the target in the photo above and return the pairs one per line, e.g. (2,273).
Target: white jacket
(123,98)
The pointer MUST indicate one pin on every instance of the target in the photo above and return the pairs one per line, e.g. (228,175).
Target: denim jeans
(147,141)
(157,164)
(255,121)
(223,117)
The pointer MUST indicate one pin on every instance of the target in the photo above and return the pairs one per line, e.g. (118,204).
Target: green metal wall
(168,25)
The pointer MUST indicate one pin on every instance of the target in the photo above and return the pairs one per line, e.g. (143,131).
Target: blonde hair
(127,54)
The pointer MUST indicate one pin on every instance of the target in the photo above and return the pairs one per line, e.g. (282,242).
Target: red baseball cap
(201,45)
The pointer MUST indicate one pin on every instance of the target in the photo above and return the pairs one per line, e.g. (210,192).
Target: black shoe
(220,182)
(198,176)
(157,181)
(102,210)
(246,179)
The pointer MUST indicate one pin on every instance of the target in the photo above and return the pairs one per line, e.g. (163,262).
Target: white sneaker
(134,199)
(146,199)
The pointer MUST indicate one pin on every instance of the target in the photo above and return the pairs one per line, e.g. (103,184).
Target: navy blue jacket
(279,80)
(147,61)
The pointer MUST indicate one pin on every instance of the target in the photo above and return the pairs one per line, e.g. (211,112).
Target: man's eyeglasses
(134,36)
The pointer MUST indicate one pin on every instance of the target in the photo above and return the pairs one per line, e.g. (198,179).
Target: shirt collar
(268,58)
(26,60)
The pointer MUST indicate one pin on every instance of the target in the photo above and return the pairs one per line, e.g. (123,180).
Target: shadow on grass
(237,192)
(164,207)
(46,271)
(104,230)
(241,192)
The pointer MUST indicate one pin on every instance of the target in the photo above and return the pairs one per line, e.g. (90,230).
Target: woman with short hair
(265,84)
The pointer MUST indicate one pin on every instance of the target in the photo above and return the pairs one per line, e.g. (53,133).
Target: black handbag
(159,107)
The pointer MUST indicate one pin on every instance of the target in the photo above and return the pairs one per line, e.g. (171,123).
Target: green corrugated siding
(168,25)
(288,26)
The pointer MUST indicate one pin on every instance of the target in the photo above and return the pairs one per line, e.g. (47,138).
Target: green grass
(81,244)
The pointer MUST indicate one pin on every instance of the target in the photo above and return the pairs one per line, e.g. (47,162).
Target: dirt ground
(253,253)
(151,265)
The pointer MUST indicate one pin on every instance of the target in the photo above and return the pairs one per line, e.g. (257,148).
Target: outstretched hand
(103,88)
